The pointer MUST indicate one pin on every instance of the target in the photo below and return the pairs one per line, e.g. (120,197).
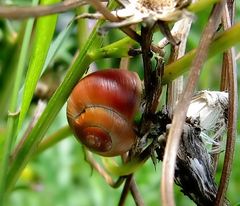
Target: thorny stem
(232,119)
(175,132)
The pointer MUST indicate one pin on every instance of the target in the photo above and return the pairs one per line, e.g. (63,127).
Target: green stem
(117,49)
(221,43)
(43,34)
(54,138)
(82,61)
(76,70)
(12,119)
(201,5)
(82,27)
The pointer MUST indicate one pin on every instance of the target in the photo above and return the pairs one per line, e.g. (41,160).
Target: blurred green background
(60,176)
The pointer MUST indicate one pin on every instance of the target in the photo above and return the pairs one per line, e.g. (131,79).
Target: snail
(101,110)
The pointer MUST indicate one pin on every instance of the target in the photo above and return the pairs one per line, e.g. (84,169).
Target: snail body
(101,109)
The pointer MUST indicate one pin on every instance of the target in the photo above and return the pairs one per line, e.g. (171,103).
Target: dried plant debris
(145,11)
(194,171)
(136,11)
(211,109)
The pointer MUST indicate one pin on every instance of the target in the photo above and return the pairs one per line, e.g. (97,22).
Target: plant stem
(117,49)
(221,43)
(41,43)
(180,111)
(201,5)
(82,27)
(54,138)
(76,70)
(12,119)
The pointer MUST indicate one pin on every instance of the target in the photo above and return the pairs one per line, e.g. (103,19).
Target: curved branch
(17,12)
(175,132)
(232,116)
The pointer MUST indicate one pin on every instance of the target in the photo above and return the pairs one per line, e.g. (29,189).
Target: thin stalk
(117,49)
(16,12)
(231,133)
(76,70)
(179,116)
(220,44)
(82,27)
(125,190)
(12,119)
(54,138)
(136,193)
(232,114)
(109,180)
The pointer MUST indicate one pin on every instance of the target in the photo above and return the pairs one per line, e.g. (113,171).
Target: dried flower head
(136,11)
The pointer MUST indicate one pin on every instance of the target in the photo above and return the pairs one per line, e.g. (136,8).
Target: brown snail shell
(101,109)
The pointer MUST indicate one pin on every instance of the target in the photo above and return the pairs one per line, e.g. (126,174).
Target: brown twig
(152,78)
(232,115)
(125,191)
(17,12)
(109,16)
(102,172)
(136,194)
(175,132)
(130,185)
(147,33)
(227,21)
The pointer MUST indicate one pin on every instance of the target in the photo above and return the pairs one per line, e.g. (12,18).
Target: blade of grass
(41,44)
(9,46)
(76,70)
(12,119)
(55,45)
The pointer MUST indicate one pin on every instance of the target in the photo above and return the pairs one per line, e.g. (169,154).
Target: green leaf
(76,70)
(24,39)
(41,43)
(56,44)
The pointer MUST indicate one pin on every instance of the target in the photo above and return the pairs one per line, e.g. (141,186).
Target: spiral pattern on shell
(101,109)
